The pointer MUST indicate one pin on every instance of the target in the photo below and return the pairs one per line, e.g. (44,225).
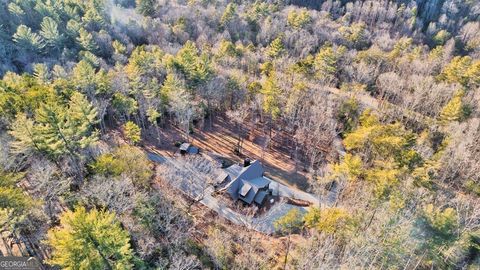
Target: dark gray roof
(247,183)
(234,187)
(253,171)
(260,197)
(250,196)
(234,170)
(260,182)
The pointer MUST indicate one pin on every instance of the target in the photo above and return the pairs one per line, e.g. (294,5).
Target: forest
(378,100)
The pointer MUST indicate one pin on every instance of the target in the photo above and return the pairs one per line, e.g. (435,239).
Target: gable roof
(248,183)
(250,195)
(254,170)
(245,189)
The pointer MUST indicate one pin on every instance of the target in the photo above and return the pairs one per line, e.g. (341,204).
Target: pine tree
(195,67)
(60,130)
(289,223)
(125,106)
(132,132)
(49,31)
(271,94)
(298,19)
(332,220)
(15,205)
(119,47)
(275,48)
(41,73)
(15,9)
(453,111)
(227,48)
(326,63)
(228,14)
(93,18)
(11,196)
(86,41)
(441,37)
(90,240)
(473,74)
(145,7)
(153,115)
(355,34)
(83,76)
(25,135)
(456,70)
(82,116)
(351,168)
(27,39)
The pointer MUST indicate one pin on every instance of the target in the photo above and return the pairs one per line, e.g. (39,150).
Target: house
(186,148)
(248,184)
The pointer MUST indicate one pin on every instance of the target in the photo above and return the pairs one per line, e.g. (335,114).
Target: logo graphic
(19,263)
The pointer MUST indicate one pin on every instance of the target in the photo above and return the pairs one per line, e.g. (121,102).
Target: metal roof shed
(184,147)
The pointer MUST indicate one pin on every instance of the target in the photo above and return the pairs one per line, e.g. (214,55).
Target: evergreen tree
(170,86)
(56,129)
(441,37)
(86,41)
(454,110)
(228,14)
(332,220)
(27,39)
(90,240)
(83,116)
(298,19)
(271,94)
(125,106)
(15,206)
(41,73)
(145,7)
(351,168)
(355,34)
(11,196)
(275,48)
(456,70)
(119,47)
(49,31)
(326,63)
(289,223)
(83,76)
(196,68)
(25,135)
(153,115)
(132,132)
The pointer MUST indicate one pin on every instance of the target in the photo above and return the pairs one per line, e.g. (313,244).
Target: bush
(127,160)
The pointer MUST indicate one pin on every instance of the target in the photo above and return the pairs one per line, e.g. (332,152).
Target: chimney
(246,162)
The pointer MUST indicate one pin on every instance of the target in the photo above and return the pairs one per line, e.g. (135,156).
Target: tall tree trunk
(286,253)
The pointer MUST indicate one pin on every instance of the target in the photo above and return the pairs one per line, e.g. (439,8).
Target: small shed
(186,148)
